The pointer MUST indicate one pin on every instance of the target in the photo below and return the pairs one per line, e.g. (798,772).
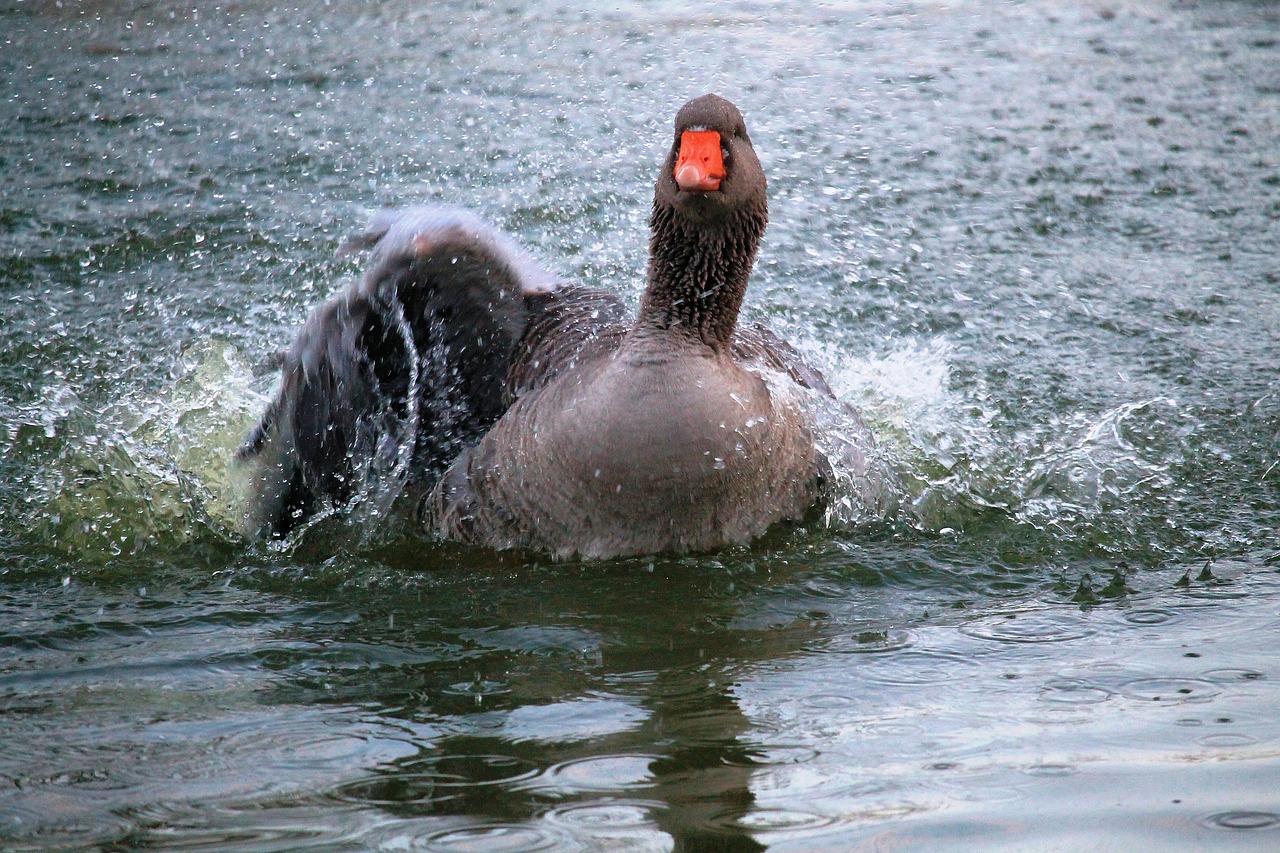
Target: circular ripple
(288,742)
(1034,628)
(602,773)
(436,779)
(605,816)
(830,702)
(336,748)
(678,689)
(1243,820)
(478,769)
(782,754)
(979,787)
(916,667)
(893,729)
(1059,715)
(1229,675)
(1226,740)
(215,828)
(763,820)
(479,689)
(494,838)
(875,642)
(1148,617)
(1107,668)
(1050,771)
(1074,693)
(397,789)
(1215,593)
(1169,690)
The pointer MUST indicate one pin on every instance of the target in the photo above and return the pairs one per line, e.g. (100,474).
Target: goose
(518,411)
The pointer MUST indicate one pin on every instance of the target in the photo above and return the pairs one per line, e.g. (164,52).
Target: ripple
(916,667)
(601,773)
(979,787)
(778,755)
(80,779)
(1050,771)
(314,749)
(1074,693)
(201,827)
(1060,715)
(437,779)
(59,822)
(478,689)
(1229,675)
(1227,740)
(1148,617)
(875,642)
(1107,668)
(1216,593)
(778,819)
(494,838)
(893,729)
(631,814)
(1169,690)
(1035,628)
(245,756)
(396,789)
(678,688)
(304,743)
(1247,820)
(830,702)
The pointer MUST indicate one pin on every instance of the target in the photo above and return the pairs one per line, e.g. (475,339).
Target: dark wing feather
(391,378)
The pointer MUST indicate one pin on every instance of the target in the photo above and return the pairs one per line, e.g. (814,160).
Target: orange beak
(700,166)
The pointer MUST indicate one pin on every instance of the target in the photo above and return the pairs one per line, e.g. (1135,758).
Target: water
(1035,243)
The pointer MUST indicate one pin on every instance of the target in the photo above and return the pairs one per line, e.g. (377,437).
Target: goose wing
(390,379)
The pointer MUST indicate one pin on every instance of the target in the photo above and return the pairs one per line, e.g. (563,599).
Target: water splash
(1093,464)
(155,471)
(147,471)
(944,446)
(1074,477)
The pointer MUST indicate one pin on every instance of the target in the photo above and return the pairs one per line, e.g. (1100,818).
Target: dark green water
(1037,243)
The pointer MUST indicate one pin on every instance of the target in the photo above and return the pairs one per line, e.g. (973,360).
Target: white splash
(149,470)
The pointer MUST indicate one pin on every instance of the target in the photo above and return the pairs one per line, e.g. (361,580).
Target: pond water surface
(1036,244)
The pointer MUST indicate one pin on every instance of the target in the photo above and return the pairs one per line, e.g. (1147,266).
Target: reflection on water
(323,718)
(1034,244)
